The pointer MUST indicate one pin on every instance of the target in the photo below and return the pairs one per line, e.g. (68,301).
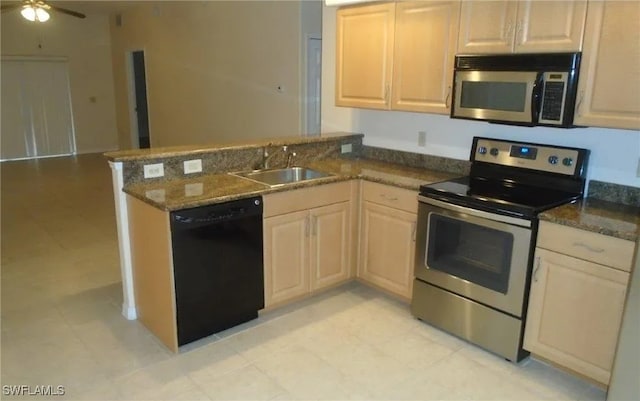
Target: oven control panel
(553,159)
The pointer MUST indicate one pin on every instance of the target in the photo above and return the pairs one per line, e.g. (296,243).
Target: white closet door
(36,109)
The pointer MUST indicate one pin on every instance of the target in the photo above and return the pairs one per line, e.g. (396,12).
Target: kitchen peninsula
(341,155)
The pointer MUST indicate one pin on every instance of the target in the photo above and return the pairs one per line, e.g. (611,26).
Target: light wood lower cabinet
(307,244)
(286,250)
(387,238)
(153,278)
(575,308)
(329,251)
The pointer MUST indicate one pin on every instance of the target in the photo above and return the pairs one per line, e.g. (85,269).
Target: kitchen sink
(283,176)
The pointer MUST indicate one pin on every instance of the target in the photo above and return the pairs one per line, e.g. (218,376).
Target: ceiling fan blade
(10,7)
(66,11)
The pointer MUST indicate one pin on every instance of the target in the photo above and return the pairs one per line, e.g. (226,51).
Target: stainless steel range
(476,236)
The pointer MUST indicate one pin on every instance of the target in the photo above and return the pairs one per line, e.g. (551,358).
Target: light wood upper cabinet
(575,311)
(426,34)
(397,56)
(487,26)
(609,84)
(364,55)
(521,26)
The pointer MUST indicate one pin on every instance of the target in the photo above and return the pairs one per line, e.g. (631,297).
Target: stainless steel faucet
(290,156)
(266,157)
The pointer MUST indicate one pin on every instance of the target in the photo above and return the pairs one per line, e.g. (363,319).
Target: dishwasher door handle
(216,214)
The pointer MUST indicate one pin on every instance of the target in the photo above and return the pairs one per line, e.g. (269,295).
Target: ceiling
(89,7)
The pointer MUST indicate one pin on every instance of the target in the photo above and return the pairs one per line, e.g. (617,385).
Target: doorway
(313,88)
(139,111)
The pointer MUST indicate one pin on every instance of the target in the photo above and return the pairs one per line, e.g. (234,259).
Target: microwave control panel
(553,95)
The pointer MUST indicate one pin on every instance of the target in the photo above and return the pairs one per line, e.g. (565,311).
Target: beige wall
(86,45)
(213,69)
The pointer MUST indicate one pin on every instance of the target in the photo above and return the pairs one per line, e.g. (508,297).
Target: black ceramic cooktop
(500,197)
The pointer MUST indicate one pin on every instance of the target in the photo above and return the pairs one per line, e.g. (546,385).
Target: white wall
(615,153)
(86,45)
(213,69)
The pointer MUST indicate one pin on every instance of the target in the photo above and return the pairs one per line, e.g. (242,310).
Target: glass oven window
(469,251)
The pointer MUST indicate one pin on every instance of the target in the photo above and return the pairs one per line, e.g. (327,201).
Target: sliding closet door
(36,109)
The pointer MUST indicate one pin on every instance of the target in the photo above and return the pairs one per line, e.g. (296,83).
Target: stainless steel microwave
(519,89)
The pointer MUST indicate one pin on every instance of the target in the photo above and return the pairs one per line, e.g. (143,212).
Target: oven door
(508,96)
(481,256)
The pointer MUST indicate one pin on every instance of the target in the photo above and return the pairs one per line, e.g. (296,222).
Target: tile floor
(61,323)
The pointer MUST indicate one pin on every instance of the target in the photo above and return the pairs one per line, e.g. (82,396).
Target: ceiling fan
(38,10)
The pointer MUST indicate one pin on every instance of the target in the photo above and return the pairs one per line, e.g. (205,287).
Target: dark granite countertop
(194,150)
(599,216)
(217,188)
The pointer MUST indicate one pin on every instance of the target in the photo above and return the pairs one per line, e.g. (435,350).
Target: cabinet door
(609,78)
(286,262)
(425,45)
(550,26)
(575,310)
(364,55)
(487,26)
(387,247)
(330,245)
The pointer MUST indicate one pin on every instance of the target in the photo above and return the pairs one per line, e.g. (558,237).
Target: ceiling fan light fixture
(29,12)
(41,14)
(34,13)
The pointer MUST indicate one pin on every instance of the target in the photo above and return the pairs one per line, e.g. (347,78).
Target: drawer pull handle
(391,198)
(588,248)
(413,231)
(306,226)
(535,271)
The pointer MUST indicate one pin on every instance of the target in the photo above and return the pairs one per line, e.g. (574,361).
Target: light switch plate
(153,170)
(192,166)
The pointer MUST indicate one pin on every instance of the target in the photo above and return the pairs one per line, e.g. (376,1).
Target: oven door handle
(475,212)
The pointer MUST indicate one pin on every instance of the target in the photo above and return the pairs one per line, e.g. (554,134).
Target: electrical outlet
(153,170)
(422,138)
(193,166)
(346,148)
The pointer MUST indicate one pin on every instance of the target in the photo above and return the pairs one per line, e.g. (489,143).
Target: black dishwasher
(218,266)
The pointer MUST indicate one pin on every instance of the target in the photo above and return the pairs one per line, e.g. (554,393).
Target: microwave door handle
(536,97)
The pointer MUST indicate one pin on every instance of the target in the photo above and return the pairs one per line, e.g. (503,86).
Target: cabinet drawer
(396,198)
(306,198)
(594,247)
